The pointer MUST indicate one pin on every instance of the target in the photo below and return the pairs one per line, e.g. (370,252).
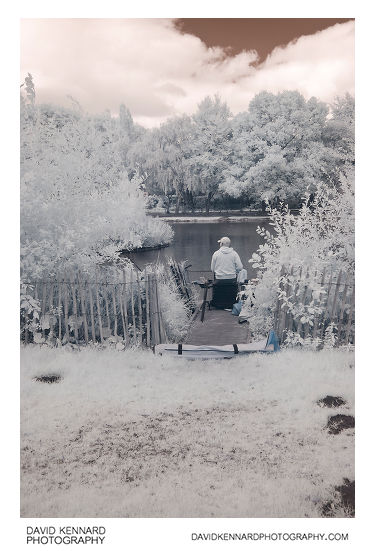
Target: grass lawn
(128,434)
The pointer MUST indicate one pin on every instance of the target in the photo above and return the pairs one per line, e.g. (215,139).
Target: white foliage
(78,206)
(320,238)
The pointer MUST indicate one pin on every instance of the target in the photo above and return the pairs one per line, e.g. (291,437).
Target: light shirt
(226,263)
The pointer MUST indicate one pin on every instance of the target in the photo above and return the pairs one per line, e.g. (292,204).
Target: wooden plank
(140,321)
(59,310)
(155,332)
(282,315)
(125,303)
(75,313)
(342,308)
(350,317)
(326,306)
(114,309)
(83,310)
(162,331)
(289,325)
(307,328)
(66,311)
(332,317)
(105,296)
(98,309)
(134,325)
(124,327)
(316,317)
(50,311)
(148,335)
(91,302)
(43,305)
(305,287)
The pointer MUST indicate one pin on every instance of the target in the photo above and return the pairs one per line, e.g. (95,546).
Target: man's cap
(224,241)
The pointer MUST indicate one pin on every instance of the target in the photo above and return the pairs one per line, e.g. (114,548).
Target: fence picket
(125,303)
(114,310)
(73,310)
(83,311)
(342,308)
(316,316)
(66,311)
(98,309)
(350,317)
(333,309)
(91,302)
(50,311)
(139,309)
(332,315)
(59,310)
(134,325)
(148,341)
(120,300)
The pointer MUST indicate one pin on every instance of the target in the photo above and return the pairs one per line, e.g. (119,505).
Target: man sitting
(225,264)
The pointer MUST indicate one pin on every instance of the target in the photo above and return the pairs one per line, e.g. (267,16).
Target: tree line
(271,153)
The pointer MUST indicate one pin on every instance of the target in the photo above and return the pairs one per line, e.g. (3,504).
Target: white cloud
(159,72)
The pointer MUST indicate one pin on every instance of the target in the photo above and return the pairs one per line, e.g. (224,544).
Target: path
(218,328)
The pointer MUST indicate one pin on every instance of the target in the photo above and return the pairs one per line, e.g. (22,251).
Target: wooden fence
(310,302)
(79,311)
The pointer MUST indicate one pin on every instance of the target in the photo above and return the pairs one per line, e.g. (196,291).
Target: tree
(78,206)
(212,135)
(161,159)
(277,148)
(320,238)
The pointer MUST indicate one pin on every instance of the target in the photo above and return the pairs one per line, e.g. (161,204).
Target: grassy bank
(123,434)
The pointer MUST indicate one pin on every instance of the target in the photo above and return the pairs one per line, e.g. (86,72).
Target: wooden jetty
(218,328)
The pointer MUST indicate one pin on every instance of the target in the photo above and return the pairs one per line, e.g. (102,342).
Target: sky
(160,68)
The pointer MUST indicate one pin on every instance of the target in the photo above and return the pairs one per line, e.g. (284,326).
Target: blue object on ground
(272,339)
(237,307)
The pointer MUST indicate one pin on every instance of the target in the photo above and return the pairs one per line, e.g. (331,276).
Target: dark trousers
(224,293)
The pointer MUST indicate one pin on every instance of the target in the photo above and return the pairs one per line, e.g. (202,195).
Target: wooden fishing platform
(218,328)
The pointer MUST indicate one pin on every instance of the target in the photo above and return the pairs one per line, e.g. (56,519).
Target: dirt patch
(331,402)
(48,379)
(344,499)
(337,423)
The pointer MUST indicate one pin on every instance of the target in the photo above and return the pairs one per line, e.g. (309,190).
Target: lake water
(197,241)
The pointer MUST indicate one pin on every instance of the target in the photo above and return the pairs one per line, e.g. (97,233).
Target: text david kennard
(65,534)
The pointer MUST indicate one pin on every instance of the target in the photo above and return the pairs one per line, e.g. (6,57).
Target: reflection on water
(196,242)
